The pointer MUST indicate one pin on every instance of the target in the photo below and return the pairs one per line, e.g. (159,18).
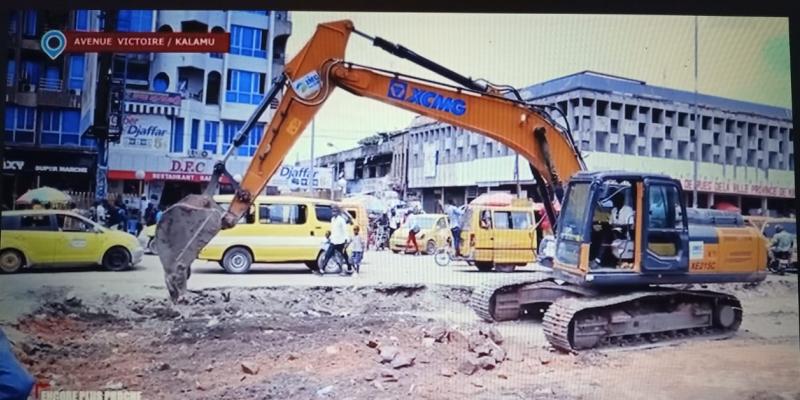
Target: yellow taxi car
(434,233)
(146,239)
(278,229)
(60,238)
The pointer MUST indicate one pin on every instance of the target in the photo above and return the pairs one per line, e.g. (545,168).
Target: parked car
(62,238)
(434,233)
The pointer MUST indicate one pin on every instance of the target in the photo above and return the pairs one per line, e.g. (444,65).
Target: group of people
(118,215)
(339,240)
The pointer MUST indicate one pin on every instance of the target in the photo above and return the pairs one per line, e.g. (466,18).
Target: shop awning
(143,108)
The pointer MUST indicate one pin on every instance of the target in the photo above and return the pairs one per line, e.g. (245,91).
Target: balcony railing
(51,85)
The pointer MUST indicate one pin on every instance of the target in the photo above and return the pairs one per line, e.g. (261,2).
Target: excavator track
(648,318)
(483,300)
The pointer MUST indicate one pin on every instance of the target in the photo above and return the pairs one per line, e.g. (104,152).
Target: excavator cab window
(613,225)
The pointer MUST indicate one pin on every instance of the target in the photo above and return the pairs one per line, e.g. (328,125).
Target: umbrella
(44,194)
(494,199)
(725,206)
(371,203)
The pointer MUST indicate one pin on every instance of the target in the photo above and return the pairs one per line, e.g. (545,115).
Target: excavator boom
(311,76)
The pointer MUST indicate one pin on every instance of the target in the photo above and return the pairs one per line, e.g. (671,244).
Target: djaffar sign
(145,131)
(301,176)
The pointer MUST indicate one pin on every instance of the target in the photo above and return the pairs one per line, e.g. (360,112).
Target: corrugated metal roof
(599,82)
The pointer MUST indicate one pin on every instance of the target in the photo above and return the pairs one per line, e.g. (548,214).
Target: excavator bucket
(184,229)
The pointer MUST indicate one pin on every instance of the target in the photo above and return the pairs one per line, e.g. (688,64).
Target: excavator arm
(309,78)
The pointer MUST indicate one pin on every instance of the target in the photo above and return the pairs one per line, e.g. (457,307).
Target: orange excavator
(601,288)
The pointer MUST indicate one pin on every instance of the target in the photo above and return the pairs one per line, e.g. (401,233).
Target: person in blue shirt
(15,382)
(454,217)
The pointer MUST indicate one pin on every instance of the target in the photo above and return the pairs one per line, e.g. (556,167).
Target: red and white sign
(739,188)
(146,42)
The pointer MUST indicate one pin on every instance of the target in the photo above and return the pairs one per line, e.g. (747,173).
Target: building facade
(183,110)
(745,151)
(376,166)
(43,145)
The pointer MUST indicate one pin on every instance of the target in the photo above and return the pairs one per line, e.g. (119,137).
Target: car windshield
(423,221)
(573,213)
(788,226)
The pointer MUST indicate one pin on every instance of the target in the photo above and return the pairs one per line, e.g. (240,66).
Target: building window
(177,136)
(248,41)
(76,63)
(13,21)
(61,128)
(10,72)
(259,12)
(135,21)
(29,18)
(195,140)
(30,72)
(244,87)
(248,148)
(161,82)
(20,123)
(81,22)
(210,136)
(230,128)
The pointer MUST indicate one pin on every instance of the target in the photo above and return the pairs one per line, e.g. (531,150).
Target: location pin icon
(53,43)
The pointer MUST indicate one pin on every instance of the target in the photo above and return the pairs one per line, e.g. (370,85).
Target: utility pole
(103,98)
(313,163)
(696,123)
(516,176)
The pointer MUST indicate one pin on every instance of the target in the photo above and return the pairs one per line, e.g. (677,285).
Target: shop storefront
(25,169)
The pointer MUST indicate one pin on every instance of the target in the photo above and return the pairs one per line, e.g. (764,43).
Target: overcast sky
(740,58)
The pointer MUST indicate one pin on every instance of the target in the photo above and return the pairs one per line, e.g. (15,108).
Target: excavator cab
(616,228)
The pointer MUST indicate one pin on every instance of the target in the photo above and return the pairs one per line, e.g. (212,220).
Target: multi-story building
(184,109)
(377,165)
(43,144)
(745,151)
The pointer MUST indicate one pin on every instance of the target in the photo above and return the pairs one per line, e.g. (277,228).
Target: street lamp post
(696,123)
(335,170)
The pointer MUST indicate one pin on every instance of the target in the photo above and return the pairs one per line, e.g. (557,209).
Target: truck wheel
(117,259)
(237,260)
(484,266)
(505,267)
(430,247)
(11,261)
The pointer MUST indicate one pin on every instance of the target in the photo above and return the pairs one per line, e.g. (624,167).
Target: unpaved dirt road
(315,341)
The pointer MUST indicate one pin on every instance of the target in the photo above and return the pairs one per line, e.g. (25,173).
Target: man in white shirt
(338,239)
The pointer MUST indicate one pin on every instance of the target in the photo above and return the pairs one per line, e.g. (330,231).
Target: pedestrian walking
(357,249)
(412,236)
(454,217)
(338,239)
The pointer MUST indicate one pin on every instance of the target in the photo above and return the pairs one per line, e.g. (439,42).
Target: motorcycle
(780,263)
(336,264)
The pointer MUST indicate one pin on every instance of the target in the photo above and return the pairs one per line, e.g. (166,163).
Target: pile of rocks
(484,351)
